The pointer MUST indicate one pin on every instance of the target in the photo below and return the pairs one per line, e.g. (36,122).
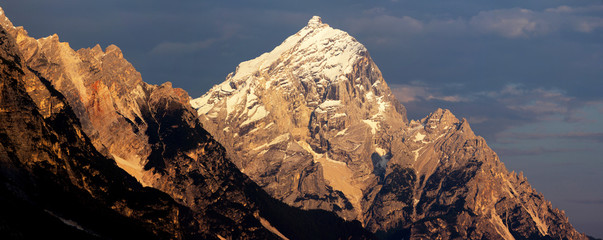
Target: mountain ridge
(153,134)
(51,174)
(330,135)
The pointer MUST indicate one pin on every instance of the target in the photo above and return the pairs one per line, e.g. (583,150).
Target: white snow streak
(419,137)
(374,125)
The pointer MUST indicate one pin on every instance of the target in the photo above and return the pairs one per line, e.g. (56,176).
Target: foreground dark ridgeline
(54,179)
(314,123)
(53,183)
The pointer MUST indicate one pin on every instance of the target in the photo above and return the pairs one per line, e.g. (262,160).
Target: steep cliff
(53,180)
(314,123)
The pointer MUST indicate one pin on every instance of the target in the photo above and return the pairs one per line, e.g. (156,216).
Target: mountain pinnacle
(314,22)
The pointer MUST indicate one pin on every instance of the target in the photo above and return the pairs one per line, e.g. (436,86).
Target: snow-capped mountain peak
(317,55)
(318,84)
(331,51)
(315,21)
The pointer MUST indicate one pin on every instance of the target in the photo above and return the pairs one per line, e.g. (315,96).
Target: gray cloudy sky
(528,75)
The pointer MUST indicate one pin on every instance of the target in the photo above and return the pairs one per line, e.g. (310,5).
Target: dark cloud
(588,201)
(577,136)
(510,152)
(488,49)
(525,23)
(491,112)
(422,92)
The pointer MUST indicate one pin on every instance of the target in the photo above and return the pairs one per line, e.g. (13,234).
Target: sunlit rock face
(54,183)
(314,123)
(153,133)
(305,117)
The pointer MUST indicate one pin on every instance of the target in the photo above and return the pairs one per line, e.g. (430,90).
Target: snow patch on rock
(373,125)
(419,137)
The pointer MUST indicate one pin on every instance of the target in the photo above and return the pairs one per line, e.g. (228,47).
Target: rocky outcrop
(153,133)
(314,123)
(54,181)
(448,183)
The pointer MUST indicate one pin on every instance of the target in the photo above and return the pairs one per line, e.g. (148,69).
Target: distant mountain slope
(153,133)
(314,123)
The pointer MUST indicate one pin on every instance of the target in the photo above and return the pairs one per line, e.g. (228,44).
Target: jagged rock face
(304,118)
(446,182)
(315,125)
(135,122)
(53,180)
(104,91)
(154,134)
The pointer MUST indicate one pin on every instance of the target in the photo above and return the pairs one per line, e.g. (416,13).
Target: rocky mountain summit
(302,118)
(315,125)
(153,133)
